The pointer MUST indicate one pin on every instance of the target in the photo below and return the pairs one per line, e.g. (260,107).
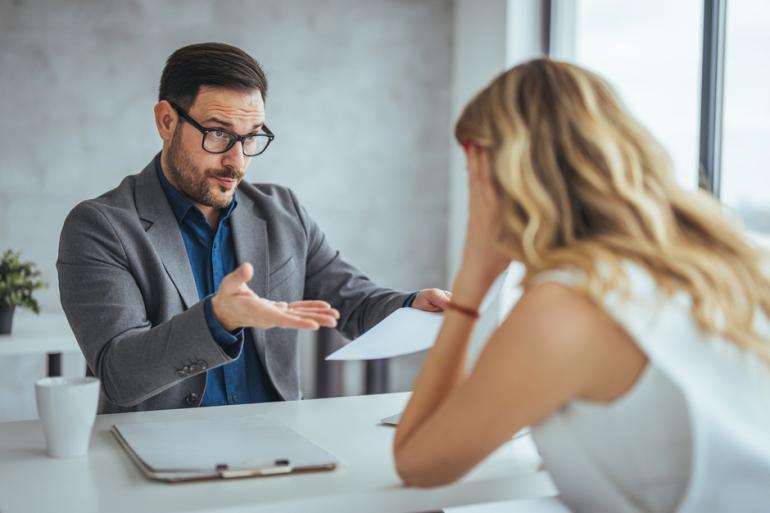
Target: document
(405,331)
(394,419)
(249,446)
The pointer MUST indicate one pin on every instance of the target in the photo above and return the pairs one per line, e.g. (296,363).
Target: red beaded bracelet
(470,312)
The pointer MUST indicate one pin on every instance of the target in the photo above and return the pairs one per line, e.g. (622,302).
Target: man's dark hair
(209,64)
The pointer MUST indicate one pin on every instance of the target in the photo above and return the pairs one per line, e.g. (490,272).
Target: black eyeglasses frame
(234,138)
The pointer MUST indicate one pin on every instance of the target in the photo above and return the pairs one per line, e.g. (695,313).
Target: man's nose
(234,157)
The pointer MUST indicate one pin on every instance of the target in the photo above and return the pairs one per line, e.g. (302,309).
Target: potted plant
(18,280)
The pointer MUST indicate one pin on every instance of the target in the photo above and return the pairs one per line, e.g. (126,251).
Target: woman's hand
(481,263)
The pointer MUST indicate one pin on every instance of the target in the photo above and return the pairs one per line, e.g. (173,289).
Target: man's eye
(219,134)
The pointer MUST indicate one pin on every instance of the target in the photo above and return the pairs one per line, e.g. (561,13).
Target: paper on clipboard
(405,331)
(257,445)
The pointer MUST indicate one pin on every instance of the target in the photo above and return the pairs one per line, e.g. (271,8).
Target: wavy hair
(584,185)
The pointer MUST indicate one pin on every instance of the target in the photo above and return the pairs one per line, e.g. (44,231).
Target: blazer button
(202,365)
(191,399)
(181,372)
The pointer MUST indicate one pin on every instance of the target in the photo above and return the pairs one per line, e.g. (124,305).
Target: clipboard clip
(279,467)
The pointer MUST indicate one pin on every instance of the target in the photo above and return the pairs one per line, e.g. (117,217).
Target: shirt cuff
(409,300)
(221,335)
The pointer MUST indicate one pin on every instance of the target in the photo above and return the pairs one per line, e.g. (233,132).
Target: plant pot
(6,319)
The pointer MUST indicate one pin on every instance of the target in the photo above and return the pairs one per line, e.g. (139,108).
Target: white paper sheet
(405,331)
(393,420)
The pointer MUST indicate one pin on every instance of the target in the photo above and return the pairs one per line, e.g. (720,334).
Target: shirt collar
(179,204)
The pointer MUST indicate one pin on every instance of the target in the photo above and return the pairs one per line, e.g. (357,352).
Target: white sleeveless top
(691,436)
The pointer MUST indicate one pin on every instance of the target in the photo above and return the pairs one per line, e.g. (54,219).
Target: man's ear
(166,120)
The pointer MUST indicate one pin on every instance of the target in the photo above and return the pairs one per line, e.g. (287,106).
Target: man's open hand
(235,305)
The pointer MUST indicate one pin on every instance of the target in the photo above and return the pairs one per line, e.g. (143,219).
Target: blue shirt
(212,256)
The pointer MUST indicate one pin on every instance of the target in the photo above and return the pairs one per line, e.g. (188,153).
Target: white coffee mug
(67,407)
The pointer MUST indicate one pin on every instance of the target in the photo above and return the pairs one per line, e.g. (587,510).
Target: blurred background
(362,97)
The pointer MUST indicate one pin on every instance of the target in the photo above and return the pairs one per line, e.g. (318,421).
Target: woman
(640,350)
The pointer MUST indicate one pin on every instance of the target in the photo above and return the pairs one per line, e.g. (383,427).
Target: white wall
(491,36)
(359,99)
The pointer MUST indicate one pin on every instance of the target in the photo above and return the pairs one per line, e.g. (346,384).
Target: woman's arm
(536,361)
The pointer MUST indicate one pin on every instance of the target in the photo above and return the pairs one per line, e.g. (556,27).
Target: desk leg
(54,364)
(377,376)
(329,381)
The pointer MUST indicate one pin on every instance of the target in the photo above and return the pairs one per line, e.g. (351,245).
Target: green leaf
(18,281)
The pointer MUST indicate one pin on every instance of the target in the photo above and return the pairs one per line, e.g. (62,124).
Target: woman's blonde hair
(582,183)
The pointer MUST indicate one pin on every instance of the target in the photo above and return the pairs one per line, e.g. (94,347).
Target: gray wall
(359,99)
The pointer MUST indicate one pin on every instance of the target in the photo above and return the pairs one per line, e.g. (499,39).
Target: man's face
(210,179)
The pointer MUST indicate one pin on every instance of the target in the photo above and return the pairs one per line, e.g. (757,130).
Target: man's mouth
(226,182)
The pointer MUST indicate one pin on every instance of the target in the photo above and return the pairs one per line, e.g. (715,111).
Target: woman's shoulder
(561,312)
(566,328)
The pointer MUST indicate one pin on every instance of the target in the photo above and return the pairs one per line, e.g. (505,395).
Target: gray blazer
(128,291)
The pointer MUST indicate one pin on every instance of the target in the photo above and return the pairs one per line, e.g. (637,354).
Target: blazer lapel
(164,233)
(250,241)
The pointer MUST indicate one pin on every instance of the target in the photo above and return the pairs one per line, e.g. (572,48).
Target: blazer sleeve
(105,308)
(361,303)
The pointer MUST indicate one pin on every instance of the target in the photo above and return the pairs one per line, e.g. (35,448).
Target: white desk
(44,334)
(107,480)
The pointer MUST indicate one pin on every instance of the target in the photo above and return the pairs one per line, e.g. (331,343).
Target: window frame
(560,33)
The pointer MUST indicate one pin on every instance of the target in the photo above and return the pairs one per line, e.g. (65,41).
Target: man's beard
(192,182)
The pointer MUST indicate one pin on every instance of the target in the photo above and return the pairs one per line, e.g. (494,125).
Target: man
(184,286)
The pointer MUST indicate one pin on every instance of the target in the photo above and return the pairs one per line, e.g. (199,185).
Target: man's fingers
(310,303)
(439,298)
(324,318)
(331,312)
(305,320)
(236,281)
(289,316)
(244,272)
(441,301)
(297,322)
(432,300)
(266,313)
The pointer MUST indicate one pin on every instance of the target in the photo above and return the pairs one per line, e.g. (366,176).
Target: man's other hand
(432,300)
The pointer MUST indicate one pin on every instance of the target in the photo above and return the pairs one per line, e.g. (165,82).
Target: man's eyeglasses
(219,140)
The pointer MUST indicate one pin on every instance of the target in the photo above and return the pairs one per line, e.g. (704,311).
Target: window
(651,53)
(745,183)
